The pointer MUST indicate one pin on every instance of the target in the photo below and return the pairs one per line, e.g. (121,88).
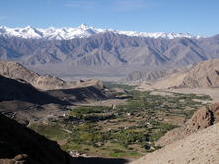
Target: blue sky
(194,16)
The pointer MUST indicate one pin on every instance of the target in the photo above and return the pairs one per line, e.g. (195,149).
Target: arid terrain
(201,147)
(203,75)
(91,119)
(109,82)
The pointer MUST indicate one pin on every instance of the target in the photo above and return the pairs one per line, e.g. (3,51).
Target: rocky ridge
(17,71)
(202,75)
(199,148)
(201,119)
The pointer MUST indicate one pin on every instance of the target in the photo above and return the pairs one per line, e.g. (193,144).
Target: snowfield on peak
(83,31)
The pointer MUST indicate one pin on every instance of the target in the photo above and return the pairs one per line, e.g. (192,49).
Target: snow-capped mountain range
(83,31)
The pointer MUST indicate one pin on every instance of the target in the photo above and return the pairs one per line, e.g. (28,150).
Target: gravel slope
(199,148)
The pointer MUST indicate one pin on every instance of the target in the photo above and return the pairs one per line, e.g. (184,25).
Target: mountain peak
(82,31)
(84,26)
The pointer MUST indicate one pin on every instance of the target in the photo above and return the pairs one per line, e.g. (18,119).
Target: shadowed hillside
(19,90)
(20,144)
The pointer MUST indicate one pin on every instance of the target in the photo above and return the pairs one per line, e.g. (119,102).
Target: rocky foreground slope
(203,118)
(199,148)
(19,144)
(197,142)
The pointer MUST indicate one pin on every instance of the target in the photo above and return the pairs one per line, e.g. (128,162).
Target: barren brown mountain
(17,71)
(202,75)
(106,53)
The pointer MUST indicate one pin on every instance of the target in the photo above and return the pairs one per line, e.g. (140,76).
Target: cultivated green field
(124,131)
